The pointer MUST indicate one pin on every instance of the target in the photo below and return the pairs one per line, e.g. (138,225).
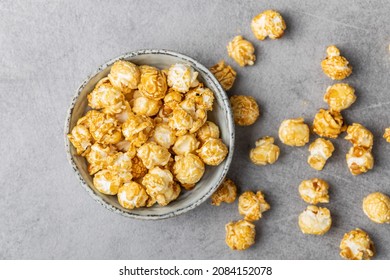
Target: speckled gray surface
(48,47)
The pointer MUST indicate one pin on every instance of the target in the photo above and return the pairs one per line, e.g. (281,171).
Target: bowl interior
(221,115)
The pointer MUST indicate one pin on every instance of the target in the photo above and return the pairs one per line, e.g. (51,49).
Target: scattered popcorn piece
(242,51)
(224,74)
(377,207)
(226,192)
(340,97)
(335,66)
(357,245)
(143,105)
(124,76)
(320,150)
(185,144)
(132,195)
(153,83)
(81,138)
(266,152)
(164,135)
(359,160)
(251,205)
(358,135)
(315,220)
(152,154)
(181,77)
(137,129)
(188,169)
(99,157)
(294,132)
(106,97)
(138,169)
(245,109)
(207,131)
(268,23)
(240,235)
(314,191)
(328,124)
(213,152)
(107,182)
(386,135)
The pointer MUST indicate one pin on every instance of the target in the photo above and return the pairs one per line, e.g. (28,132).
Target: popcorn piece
(266,152)
(358,135)
(181,77)
(106,97)
(164,135)
(153,154)
(185,144)
(121,164)
(224,74)
(143,105)
(180,121)
(213,152)
(198,115)
(124,76)
(386,135)
(268,23)
(124,115)
(328,124)
(132,195)
(242,51)
(240,235)
(153,83)
(340,97)
(245,109)
(80,138)
(251,205)
(137,129)
(335,66)
(207,131)
(99,157)
(107,182)
(294,132)
(314,191)
(357,245)
(203,97)
(188,169)
(226,192)
(320,150)
(359,160)
(315,220)
(377,207)
(138,169)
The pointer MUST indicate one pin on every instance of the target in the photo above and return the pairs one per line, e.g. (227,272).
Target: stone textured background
(48,47)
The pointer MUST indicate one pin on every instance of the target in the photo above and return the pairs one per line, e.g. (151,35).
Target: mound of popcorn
(147,136)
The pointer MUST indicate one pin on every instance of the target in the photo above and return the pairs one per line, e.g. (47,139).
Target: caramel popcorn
(81,138)
(180,121)
(315,220)
(121,163)
(164,135)
(377,207)
(245,109)
(138,169)
(99,157)
(226,192)
(340,97)
(240,235)
(320,150)
(207,131)
(386,135)
(268,23)
(242,51)
(266,152)
(106,97)
(124,115)
(328,124)
(224,74)
(132,195)
(153,83)
(358,135)
(188,169)
(314,191)
(137,129)
(124,76)
(213,151)
(357,245)
(153,154)
(197,113)
(251,205)
(203,97)
(182,77)
(294,132)
(107,182)
(334,65)
(359,160)
(185,144)
(143,105)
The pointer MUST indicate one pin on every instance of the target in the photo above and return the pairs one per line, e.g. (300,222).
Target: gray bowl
(221,115)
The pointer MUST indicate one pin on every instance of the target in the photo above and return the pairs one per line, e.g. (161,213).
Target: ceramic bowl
(221,115)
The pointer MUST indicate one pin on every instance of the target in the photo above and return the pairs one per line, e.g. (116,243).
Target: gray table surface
(48,47)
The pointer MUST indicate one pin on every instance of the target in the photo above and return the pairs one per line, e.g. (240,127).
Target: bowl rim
(229,116)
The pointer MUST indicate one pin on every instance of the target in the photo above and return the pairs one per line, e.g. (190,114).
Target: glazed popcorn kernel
(153,154)
(107,182)
(104,128)
(153,83)
(226,192)
(224,74)
(359,160)
(240,235)
(138,169)
(377,207)
(198,115)
(314,191)
(188,169)
(99,157)
(358,135)
(121,163)
(328,124)
(334,65)
(386,135)
(185,144)
(180,121)
(213,151)
(81,138)
(132,195)
(266,152)
(251,205)
(268,23)
(294,132)
(320,150)
(182,77)
(340,97)
(207,131)
(137,129)
(143,105)
(357,245)
(203,97)
(164,135)
(124,115)
(315,220)
(124,76)
(242,51)
(245,109)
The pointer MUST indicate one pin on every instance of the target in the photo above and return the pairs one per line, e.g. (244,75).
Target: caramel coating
(251,205)
(294,132)
(226,192)
(315,220)
(188,169)
(164,135)
(121,163)
(314,191)
(182,77)
(207,131)
(202,96)
(132,195)
(242,51)
(124,76)
(153,83)
(143,105)
(359,160)
(245,109)
(106,97)
(152,154)
(81,138)
(213,152)
(137,129)
(328,124)
(107,182)
(335,66)
(240,235)
(185,144)
(358,135)
(225,74)
(320,150)
(340,97)
(266,152)
(138,169)
(99,157)
(377,207)
(268,24)
(357,245)
(386,135)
